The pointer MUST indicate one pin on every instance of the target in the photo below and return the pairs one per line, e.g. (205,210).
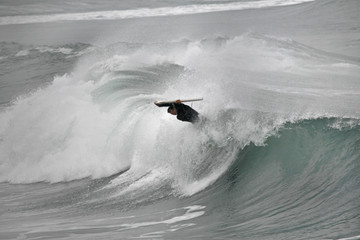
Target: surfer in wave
(183,112)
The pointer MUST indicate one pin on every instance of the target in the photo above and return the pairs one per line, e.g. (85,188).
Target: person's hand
(178,101)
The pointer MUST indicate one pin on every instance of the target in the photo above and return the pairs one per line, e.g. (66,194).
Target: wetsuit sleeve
(166,105)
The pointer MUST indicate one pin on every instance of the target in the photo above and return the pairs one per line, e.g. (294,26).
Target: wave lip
(146,12)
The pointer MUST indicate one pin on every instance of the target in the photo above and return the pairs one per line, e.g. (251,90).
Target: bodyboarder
(183,112)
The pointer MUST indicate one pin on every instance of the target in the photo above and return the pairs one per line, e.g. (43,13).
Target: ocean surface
(85,154)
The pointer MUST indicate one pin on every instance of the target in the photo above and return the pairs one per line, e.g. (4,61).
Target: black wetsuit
(185,113)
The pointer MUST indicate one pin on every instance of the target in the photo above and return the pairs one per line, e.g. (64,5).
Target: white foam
(58,134)
(350,238)
(147,12)
(45,49)
(191,213)
(22,53)
(344,124)
(62,50)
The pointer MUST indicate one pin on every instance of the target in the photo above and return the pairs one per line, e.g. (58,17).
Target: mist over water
(275,155)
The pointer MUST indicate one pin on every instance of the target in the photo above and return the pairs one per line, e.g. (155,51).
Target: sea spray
(101,120)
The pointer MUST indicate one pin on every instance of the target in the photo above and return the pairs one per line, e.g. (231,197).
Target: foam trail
(146,12)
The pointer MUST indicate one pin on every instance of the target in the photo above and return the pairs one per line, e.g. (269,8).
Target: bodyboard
(167,103)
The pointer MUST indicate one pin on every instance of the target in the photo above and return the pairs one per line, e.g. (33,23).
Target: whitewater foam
(61,137)
(350,238)
(146,12)
(191,213)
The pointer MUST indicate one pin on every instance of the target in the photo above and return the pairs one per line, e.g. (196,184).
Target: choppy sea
(85,154)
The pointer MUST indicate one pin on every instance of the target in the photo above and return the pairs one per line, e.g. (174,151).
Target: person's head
(172,110)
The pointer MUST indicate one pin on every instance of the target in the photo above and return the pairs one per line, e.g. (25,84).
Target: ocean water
(85,154)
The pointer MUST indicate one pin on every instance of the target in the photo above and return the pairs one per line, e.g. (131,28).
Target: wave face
(278,142)
(146,12)
(293,181)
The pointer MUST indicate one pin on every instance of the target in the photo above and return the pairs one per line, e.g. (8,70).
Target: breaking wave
(100,119)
